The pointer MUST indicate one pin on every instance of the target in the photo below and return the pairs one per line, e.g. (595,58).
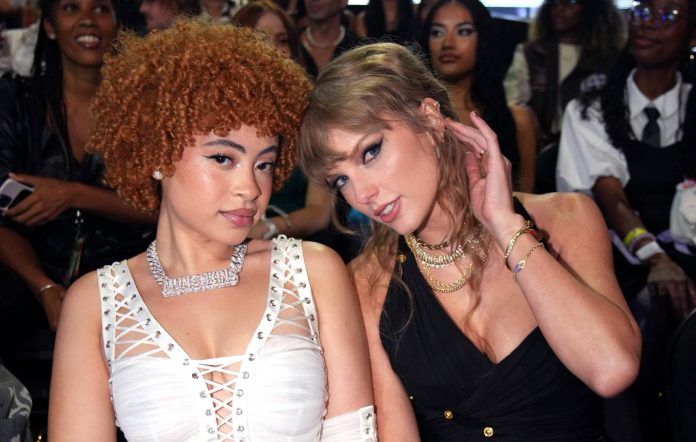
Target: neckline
(177,351)
(428,296)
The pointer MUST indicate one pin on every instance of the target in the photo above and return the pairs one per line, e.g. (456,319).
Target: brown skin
(566,20)
(51,197)
(325,21)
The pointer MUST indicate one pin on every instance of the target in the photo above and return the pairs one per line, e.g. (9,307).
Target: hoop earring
(158,175)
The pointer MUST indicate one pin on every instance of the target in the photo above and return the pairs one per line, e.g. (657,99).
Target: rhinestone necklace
(183,285)
(316,44)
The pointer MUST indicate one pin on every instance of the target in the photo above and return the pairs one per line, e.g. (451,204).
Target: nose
(87,17)
(449,41)
(246,185)
(364,191)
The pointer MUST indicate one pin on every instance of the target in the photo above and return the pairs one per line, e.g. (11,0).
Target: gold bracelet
(46,287)
(523,262)
(508,250)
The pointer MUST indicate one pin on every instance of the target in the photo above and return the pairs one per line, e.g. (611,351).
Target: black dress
(458,394)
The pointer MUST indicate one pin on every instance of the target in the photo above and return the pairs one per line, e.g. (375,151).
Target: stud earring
(52,36)
(158,175)
(437,106)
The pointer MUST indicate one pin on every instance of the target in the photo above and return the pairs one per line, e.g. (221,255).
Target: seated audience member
(160,14)
(630,144)
(570,40)
(267,17)
(458,38)
(299,208)
(70,224)
(388,20)
(208,335)
(326,35)
(479,324)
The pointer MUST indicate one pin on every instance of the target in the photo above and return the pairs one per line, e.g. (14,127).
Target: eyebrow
(236,146)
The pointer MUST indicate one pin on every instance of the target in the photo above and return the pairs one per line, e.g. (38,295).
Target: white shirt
(586,153)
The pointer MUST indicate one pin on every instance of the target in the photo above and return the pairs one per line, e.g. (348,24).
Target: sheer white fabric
(275,391)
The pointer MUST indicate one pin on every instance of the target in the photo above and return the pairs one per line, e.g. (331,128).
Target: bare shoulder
(320,258)
(371,283)
(83,293)
(327,273)
(564,217)
(562,207)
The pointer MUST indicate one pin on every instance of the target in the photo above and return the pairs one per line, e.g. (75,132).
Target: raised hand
(489,175)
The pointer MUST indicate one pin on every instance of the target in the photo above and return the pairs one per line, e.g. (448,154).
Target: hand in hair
(489,175)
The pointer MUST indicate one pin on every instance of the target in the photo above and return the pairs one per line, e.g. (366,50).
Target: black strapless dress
(458,394)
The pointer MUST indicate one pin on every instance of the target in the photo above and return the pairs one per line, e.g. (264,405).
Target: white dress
(275,391)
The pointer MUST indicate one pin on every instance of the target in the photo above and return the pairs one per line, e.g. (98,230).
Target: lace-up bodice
(276,390)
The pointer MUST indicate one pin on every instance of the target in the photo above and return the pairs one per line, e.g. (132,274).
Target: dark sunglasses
(662,18)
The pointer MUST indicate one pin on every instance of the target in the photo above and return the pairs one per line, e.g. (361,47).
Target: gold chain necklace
(425,245)
(428,259)
(444,287)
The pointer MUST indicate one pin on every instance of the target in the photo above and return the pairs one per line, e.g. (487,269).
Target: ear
(431,110)
(49,29)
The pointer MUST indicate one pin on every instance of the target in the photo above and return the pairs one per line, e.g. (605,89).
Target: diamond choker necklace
(216,279)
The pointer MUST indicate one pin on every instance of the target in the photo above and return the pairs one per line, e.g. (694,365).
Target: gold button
(488,431)
(448,414)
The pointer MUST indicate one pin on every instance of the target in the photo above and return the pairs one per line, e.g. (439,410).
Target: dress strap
(289,277)
(105,278)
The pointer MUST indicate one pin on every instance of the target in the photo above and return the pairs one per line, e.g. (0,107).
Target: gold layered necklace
(428,260)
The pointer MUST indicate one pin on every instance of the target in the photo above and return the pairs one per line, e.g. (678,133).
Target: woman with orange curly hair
(208,335)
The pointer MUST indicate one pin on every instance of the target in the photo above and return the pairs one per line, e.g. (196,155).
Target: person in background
(488,314)
(299,209)
(458,36)
(326,36)
(208,335)
(160,14)
(630,144)
(569,41)
(267,17)
(392,20)
(71,223)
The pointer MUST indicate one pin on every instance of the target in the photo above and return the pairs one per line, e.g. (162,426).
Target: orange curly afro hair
(195,78)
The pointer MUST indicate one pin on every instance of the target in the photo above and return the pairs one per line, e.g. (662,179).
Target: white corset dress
(275,391)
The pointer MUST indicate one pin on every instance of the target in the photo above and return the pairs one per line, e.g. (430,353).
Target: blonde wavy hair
(194,78)
(361,91)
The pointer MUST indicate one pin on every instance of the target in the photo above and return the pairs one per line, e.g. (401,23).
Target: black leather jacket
(542,59)
(29,146)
